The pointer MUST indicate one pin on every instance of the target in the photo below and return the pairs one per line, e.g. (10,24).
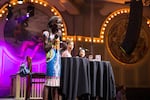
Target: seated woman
(81,52)
(69,47)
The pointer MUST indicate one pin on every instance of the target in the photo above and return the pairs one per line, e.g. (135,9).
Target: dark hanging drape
(134,25)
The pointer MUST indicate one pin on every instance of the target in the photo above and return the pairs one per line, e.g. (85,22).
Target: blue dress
(53,68)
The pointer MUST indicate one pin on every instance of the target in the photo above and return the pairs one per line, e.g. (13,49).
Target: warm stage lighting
(20,1)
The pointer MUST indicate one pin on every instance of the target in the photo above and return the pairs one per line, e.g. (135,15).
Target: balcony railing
(19,86)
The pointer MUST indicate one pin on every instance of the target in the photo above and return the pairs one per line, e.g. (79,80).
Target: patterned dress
(52,49)
(53,68)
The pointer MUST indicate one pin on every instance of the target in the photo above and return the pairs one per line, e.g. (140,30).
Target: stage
(78,76)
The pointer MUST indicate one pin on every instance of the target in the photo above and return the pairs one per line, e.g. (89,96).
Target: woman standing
(53,60)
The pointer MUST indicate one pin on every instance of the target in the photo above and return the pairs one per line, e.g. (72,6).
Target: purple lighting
(16,60)
(9,65)
(14,33)
(27,15)
(0,57)
(22,19)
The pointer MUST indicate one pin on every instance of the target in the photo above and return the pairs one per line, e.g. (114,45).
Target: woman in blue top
(53,58)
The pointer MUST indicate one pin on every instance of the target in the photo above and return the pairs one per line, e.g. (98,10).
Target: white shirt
(66,53)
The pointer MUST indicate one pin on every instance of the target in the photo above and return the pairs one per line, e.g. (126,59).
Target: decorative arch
(4,11)
(5,53)
(114,28)
(113,15)
(109,18)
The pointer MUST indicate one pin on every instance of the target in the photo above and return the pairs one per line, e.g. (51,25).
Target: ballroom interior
(118,31)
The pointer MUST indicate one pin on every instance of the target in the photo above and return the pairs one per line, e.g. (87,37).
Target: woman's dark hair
(53,23)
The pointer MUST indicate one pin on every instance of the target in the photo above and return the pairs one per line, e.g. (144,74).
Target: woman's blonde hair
(68,41)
